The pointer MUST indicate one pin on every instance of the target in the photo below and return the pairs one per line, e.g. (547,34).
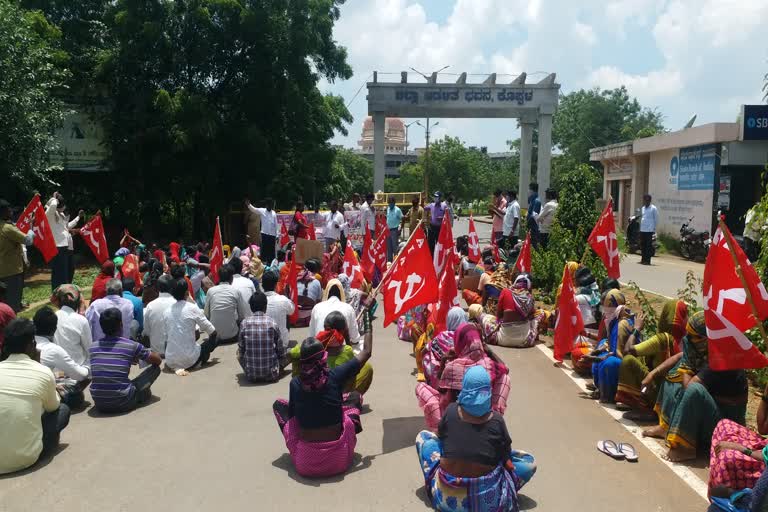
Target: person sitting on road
(137,326)
(335,339)
(260,349)
(319,422)
(583,346)
(431,353)
(279,307)
(225,306)
(309,284)
(73,378)
(73,332)
(515,314)
(607,355)
(31,415)
(99,288)
(7,314)
(111,360)
(154,332)
(242,284)
(476,296)
(182,353)
(334,299)
(114,299)
(470,459)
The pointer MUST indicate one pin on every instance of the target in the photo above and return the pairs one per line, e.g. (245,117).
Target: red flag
(311,231)
(523,263)
(569,322)
(445,248)
(474,243)
(381,224)
(448,296)
(352,267)
(377,254)
(495,247)
(93,235)
(367,262)
(727,312)
(285,238)
(216,259)
(412,280)
(604,243)
(43,235)
(130,269)
(293,285)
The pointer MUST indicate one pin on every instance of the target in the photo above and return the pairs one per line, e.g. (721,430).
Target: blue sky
(678,56)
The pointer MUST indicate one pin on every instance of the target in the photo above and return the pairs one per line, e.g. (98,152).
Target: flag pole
(740,273)
(389,270)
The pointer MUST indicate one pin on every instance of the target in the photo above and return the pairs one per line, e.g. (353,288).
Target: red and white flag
(93,236)
(311,231)
(445,248)
(412,280)
(377,255)
(293,287)
(367,262)
(285,238)
(727,312)
(217,253)
(495,249)
(130,268)
(474,243)
(448,296)
(381,224)
(523,263)
(43,235)
(604,243)
(352,267)
(569,322)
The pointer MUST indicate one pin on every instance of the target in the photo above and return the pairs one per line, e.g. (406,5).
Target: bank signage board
(755,122)
(695,167)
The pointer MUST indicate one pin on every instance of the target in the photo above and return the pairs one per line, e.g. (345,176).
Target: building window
(616,194)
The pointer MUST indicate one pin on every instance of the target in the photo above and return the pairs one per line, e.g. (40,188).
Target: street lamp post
(427,130)
(406,136)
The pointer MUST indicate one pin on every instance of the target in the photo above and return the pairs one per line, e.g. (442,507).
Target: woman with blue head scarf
(469,464)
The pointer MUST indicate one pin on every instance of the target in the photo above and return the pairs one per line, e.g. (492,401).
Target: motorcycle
(633,236)
(694,245)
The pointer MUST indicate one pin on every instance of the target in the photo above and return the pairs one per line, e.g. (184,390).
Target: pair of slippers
(619,451)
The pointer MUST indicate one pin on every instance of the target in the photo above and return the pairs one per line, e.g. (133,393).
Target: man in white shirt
(73,332)
(31,417)
(225,307)
(648,223)
(62,265)
(242,284)
(268,228)
(511,229)
(336,301)
(75,378)
(279,307)
(546,216)
(154,315)
(182,352)
(333,222)
(368,215)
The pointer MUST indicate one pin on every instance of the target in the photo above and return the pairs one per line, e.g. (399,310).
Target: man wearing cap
(12,240)
(436,212)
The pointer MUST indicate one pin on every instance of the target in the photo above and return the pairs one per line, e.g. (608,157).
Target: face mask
(609,313)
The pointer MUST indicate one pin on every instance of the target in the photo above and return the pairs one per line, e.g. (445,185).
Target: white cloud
(648,87)
(585,32)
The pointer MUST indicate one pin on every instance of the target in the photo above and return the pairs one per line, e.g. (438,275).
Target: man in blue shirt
(534,207)
(394,218)
(648,222)
(436,212)
(138,308)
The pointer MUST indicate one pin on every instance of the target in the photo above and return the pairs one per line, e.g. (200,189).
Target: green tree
(350,173)
(590,118)
(31,74)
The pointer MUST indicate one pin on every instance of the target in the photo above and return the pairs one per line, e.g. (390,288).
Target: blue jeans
(392,243)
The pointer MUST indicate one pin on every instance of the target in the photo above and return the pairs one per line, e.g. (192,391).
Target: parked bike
(694,245)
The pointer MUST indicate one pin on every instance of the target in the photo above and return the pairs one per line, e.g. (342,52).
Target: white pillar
(545,151)
(526,152)
(379,164)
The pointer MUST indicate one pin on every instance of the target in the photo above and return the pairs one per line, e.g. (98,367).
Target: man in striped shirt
(111,360)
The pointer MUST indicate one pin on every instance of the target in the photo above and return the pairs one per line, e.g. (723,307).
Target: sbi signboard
(755,122)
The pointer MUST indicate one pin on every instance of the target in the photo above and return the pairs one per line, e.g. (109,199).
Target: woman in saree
(500,279)
(319,422)
(469,464)
(737,457)
(583,347)
(332,266)
(608,354)
(440,346)
(515,313)
(488,324)
(641,357)
(99,288)
(476,296)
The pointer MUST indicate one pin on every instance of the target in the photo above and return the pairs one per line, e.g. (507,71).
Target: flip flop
(609,448)
(629,451)
(591,387)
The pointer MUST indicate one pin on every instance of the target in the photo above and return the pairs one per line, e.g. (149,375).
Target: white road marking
(685,473)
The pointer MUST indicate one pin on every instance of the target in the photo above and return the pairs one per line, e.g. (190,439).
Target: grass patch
(668,244)
(38,291)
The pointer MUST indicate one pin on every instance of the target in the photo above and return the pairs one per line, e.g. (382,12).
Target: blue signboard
(755,121)
(696,167)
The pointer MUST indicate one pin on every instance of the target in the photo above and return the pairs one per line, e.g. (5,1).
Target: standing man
(534,208)
(394,219)
(354,205)
(497,210)
(511,221)
(62,265)
(333,221)
(415,215)
(648,222)
(253,225)
(12,240)
(547,216)
(368,215)
(436,211)
(268,228)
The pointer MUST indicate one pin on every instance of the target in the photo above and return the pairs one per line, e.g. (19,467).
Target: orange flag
(569,322)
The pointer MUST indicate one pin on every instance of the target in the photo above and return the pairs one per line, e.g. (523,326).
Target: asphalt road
(210,442)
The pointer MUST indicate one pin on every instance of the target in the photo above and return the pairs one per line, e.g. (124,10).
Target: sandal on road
(610,448)
(629,451)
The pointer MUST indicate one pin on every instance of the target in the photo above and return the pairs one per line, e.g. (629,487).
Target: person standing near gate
(394,219)
(648,222)
(436,212)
